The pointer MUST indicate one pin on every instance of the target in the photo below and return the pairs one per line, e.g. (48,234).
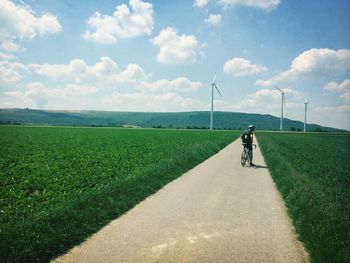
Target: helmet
(251,127)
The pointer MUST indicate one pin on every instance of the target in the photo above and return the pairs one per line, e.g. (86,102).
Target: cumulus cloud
(213,19)
(38,95)
(334,86)
(266,5)
(346,95)
(4,56)
(10,47)
(332,116)
(103,85)
(105,72)
(18,22)
(242,67)
(312,62)
(11,72)
(124,23)
(144,101)
(267,96)
(176,49)
(333,109)
(200,3)
(269,101)
(343,87)
(164,85)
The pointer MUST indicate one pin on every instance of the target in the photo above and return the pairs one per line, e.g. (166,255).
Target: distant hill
(197,119)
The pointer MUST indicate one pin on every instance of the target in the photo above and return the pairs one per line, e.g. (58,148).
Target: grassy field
(60,185)
(312,172)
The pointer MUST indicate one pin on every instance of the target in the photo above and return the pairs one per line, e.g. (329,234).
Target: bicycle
(245,158)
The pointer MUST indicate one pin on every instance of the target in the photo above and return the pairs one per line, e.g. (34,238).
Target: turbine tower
(213,85)
(305,102)
(282,102)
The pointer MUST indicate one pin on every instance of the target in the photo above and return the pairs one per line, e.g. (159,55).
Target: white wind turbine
(213,85)
(305,102)
(282,103)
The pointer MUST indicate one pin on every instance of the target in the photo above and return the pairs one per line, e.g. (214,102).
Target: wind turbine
(283,102)
(213,85)
(305,102)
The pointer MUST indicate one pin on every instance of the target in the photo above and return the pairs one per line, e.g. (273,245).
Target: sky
(160,56)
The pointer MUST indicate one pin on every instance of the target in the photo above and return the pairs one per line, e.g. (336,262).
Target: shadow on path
(257,166)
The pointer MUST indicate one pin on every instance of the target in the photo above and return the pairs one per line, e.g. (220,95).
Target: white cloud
(267,96)
(314,61)
(333,109)
(103,85)
(80,85)
(19,22)
(124,23)
(143,101)
(164,85)
(48,23)
(346,95)
(242,67)
(343,87)
(266,5)
(10,46)
(38,95)
(106,72)
(175,49)
(213,19)
(4,56)
(334,86)
(11,72)
(267,101)
(321,61)
(332,116)
(200,3)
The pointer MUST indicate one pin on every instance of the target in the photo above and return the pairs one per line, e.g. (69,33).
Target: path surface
(216,212)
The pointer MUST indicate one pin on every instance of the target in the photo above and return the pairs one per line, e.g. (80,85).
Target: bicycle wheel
(243,158)
(247,158)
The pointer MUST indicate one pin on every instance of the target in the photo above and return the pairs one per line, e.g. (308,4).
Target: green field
(60,185)
(312,172)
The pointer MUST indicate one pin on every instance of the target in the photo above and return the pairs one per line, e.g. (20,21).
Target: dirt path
(216,212)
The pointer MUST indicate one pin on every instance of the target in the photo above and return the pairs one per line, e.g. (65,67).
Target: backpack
(244,138)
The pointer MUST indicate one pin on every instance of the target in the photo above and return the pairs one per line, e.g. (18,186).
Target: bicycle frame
(245,158)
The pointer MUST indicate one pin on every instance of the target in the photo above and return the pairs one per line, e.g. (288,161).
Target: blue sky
(160,55)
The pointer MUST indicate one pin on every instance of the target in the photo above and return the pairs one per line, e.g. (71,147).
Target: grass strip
(311,172)
(69,212)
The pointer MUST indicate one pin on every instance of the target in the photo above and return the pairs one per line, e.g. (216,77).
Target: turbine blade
(279,90)
(214,78)
(217,89)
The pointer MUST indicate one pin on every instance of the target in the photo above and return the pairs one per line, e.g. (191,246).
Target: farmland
(311,172)
(59,185)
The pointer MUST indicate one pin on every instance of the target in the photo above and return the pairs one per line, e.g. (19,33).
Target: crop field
(60,185)
(312,172)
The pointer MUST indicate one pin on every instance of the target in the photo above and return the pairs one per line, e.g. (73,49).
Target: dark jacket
(247,138)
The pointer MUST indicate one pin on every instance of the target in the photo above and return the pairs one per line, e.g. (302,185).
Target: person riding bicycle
(247,139)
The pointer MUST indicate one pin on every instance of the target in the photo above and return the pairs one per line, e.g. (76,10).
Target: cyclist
(247,139)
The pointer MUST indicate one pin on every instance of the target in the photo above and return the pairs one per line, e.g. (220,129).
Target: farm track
(216,212)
